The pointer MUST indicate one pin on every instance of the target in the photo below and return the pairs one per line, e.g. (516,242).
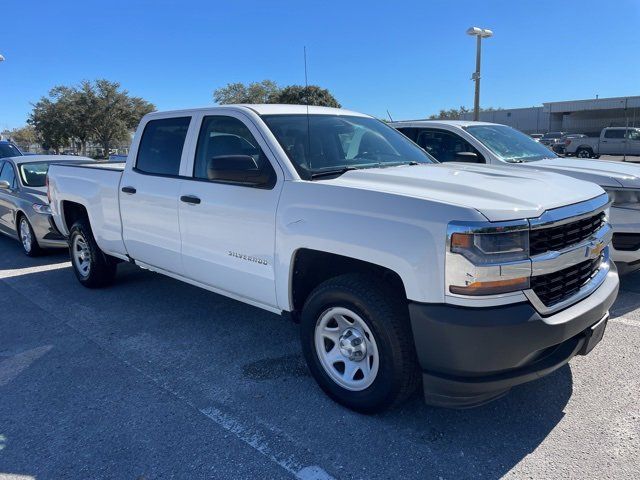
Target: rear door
(227,209)
(612,142)
(149,192)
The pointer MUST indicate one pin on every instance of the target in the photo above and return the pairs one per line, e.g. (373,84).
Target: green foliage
(256,92)
(311,95)
(457,113)
(24,136)
(267,91)
(96,111)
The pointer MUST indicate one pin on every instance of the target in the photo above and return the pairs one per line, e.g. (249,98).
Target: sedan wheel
(25,235)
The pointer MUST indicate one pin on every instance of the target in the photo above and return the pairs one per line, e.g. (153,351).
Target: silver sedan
(24,207)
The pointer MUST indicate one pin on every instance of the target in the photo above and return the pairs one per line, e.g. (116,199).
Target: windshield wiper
(328,173)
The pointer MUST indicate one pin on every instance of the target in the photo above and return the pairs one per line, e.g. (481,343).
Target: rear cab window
(160,149)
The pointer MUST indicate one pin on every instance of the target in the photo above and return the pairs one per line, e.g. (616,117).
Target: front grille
(556,238)
(555,287)
(626,242)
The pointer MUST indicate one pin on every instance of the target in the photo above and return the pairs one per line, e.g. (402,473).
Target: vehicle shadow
(487,441)
(629,297)
(12,256)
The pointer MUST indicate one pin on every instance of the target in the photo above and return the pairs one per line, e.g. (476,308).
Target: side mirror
(469,157)
(241,169)
(5,185)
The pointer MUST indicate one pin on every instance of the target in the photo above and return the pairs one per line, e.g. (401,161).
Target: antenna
(389,115)
(306,100)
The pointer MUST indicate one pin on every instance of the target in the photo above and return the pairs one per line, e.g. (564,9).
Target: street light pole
(479,33)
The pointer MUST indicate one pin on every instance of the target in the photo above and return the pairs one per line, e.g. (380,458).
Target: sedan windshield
(33,174)
(321,144)
(8,150)
(510,144)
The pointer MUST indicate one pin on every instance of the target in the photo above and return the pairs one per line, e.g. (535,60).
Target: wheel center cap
(352,344)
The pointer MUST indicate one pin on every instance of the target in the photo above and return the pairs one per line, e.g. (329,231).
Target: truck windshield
(8,150)
(318,144)
(33,174)
(510,144)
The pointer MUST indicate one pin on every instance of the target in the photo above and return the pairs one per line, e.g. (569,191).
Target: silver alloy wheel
(584,154)
(25,235)
(346,348)
(81,255)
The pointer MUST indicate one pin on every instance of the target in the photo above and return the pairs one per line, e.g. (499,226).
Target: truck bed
(96,187)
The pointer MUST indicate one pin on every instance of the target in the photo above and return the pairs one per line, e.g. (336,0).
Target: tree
(311,95)
(48,121)
(256,92)
(24,136)
(93,111)
(268,91)
(113,112)
(457,113)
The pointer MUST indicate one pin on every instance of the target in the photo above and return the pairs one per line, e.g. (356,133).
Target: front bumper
(46,232)
(471,355)
(626,222)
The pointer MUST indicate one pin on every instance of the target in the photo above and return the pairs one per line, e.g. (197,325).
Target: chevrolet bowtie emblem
(594,250)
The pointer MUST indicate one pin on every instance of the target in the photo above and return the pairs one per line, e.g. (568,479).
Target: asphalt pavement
(152,378)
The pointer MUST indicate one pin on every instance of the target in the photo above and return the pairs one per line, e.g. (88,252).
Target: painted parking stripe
(258,440)
(18,272)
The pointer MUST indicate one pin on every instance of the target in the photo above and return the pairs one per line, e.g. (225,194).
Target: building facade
(574,116)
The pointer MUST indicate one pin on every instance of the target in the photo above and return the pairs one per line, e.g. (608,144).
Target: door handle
(190,199)
(129,190)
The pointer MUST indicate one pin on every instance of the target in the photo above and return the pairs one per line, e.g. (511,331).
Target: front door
(149,195)
(7,200)
(227,210)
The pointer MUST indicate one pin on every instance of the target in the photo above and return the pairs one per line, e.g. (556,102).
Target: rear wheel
(93,268)
(28,239)
(357,341)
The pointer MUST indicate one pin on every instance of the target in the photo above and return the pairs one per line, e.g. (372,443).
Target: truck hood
(603,172)
(499,193)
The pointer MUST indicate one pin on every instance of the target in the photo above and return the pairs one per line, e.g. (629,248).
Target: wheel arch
(310,267)
(72,212)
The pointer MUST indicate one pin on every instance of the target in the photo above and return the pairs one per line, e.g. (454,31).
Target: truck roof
(48,158)
(267,109)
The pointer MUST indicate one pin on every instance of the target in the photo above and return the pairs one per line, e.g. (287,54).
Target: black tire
(386,315)
(583,152)
(30,245)
(102,268)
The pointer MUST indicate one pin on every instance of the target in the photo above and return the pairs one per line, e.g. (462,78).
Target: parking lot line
(18,272)
(627,321)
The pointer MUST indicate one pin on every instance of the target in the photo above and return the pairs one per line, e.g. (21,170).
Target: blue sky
(411,58)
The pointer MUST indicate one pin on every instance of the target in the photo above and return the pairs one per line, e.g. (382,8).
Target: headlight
(40,208)
(482,248)
(624,197)
(488,260)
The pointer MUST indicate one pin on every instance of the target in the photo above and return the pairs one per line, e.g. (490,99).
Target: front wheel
(93,268)
(357,341)
(28,238)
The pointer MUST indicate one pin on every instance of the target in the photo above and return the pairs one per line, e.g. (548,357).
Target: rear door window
(161,146)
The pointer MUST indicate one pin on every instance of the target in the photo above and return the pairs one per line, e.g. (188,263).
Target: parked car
(481,142)
(393,264)
(612,141)
(551,138)
(24,208)
(536,136)
(560,146)
(8,149)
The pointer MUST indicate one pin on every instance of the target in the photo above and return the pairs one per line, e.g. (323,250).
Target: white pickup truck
(395,266)
(494,144)
(612,141)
